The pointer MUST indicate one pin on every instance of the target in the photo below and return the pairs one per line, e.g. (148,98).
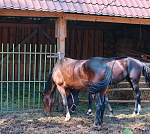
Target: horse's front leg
(90,105)
(65,102)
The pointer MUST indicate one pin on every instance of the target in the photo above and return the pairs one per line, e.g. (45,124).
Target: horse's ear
(41,93)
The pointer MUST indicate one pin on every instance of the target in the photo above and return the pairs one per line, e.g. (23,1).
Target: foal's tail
(100,86)
(146,72)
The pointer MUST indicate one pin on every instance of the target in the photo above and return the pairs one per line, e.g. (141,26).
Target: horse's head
(48,102)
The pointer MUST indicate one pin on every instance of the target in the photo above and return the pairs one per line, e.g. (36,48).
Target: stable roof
(122,8)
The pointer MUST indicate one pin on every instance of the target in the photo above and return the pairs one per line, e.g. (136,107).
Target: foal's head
(48,102)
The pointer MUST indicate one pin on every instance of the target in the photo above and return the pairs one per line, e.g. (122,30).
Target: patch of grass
(126,131)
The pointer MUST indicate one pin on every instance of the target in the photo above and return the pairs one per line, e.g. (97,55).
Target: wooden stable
(79,36)
(62,18)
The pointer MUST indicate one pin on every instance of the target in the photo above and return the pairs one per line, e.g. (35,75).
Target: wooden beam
(29,13)
(49,38)
(69,16)
(97,18)
(121,101)
(48,26)
(60,34)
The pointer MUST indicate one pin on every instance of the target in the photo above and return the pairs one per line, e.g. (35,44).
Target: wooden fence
(125,89)
(24,71)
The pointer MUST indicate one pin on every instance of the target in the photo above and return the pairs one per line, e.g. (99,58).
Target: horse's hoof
(96,127)
(87,114)
(67,118)
(134,114)
(111,115)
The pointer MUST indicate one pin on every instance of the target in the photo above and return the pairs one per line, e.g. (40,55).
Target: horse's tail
(146,72)
(100,86)
(49,83)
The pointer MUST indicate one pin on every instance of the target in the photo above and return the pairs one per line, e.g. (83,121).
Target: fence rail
(125,89)
(23,75)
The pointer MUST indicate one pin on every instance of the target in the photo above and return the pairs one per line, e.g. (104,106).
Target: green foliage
(126,131)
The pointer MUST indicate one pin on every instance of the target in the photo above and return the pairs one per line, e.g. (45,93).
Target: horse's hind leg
(134,82)
(138,102)
(103,108)
(109,107)
(98,107)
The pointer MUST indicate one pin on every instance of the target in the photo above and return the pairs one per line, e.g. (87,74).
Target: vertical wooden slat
(13,68)
(34,38)
(79,45)
(18,76)
(86,44)
(34,75)
(55,51)
(12,40)
(2,77)
(24,74)
(91,43)
(101,40)
(5,39)
(50,60)
(97,39)
(40,75)
(29,78)
(17,36)
(72,44)
(45,65)
(7,73)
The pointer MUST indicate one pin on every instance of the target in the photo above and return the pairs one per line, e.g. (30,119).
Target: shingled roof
(122,8)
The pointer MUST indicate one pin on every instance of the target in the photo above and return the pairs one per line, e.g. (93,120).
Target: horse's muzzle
(46,113)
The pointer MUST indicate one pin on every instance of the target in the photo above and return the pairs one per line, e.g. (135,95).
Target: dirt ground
(38,123)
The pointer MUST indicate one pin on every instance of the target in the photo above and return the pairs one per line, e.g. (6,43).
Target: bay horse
(126,68)
(82,75)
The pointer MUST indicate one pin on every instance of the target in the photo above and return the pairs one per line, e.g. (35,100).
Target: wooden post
(60,34)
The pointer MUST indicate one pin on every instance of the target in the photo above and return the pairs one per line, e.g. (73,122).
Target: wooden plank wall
(84,40)
(81,42)
(15,34)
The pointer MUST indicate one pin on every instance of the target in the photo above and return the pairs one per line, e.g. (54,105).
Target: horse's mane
(48,83)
